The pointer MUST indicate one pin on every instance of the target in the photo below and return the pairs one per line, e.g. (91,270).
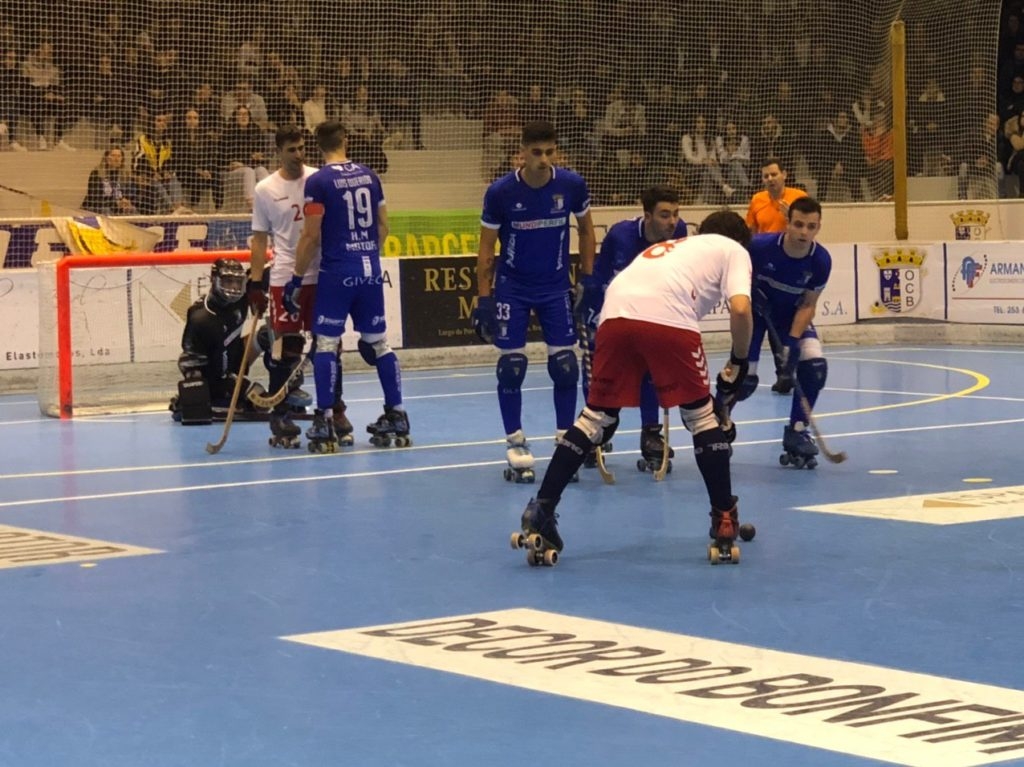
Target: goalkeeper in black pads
(650,324)
(212,347)
(790,271)
(624,242)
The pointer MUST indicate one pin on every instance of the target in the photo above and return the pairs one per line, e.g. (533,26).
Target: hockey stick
(805,405)
(587,346)
(212,448)
(663,469)
(272,400)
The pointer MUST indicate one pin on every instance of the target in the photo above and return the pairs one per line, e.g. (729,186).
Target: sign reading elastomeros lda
(852,708)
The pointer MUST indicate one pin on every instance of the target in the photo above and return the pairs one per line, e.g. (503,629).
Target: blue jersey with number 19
(348,195)
(533,226)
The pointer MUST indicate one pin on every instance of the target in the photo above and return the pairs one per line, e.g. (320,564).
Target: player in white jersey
(277,213)
(649,324)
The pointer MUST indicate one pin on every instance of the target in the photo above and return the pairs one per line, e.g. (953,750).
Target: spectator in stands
(575,125)
(365,131)
(168,89)
(315,109)
(204,101)
(159,191)
(876,140)
(664,124)
(103,101)
(286,106)
(838,166)
(623,127)
(1012,155)
(109,190)
(243,96)
(502,128)
(536,106)
(866,107)
(195,161)
(12,93)
(700,162)
(1012,102)
(344,81)
(45,100)
(772,140)
(401,102)
(449,76)
(733,151)
(928,125)
(980,172)
(243,153)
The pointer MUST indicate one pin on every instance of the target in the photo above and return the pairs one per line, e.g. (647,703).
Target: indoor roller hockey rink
(163,606)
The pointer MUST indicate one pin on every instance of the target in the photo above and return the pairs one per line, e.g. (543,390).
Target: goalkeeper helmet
(227,281)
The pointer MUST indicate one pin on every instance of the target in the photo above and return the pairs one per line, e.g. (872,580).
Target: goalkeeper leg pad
(194,402)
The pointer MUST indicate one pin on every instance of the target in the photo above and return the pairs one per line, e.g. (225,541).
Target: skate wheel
(533,558)
(270,441)
(406,442)
(527,477)
(607,448)
(799,462)
(518,540)
(714,555)
(641,465)
(508,475)
(812,463)
(784,459)
(668,469)
(550,557)
(347,440)
(734,555)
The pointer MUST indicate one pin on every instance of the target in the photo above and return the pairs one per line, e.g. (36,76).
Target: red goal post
(110,328)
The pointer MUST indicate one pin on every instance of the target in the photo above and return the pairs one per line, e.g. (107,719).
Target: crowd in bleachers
(184,96)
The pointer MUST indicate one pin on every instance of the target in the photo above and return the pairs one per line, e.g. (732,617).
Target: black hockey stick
(838,457)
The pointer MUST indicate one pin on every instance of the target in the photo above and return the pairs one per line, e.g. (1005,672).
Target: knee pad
(327,344)
(812,374)
(564,369)
(598,425)
(748,387)
(372,350)
(511,371)
(699,418)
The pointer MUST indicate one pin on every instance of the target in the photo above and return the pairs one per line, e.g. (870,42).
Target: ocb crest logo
(970,224)
(899,279)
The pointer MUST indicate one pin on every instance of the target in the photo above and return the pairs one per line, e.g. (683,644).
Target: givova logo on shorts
(868,711)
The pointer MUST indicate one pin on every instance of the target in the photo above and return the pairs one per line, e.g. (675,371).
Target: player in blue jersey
(624,242)
(790,271)
(528,211)
(347,218)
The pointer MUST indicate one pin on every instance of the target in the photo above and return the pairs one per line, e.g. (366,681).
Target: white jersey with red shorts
(650,320)
(277,210)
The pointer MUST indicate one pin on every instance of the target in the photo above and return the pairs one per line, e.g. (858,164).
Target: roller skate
(652,450)
(559,433)
(299,399)
(283,431)
(321,437)
(799,449)
(590,461)
(724,528)
(342,426)
(783,383)
(539,535)
(520,459)
(392,428)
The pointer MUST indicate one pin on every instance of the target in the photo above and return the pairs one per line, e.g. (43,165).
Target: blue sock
(325,374)
(510,401)
(390,374)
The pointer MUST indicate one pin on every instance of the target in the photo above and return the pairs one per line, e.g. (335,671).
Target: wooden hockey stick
(273,400)
(806,406)
(212,448)
(663,469)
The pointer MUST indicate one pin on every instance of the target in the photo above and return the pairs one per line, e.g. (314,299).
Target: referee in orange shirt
(769,212)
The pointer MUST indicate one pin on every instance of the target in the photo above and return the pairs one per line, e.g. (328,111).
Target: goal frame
(62,275)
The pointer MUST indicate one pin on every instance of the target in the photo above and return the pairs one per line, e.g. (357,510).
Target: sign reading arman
(851,708)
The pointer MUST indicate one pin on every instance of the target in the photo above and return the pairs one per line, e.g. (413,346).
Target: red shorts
(625,350)
(281,321)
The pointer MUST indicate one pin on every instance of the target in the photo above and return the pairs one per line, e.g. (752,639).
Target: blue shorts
(339,296)
(513,304)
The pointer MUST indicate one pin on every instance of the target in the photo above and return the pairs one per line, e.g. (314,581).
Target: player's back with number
(349,197)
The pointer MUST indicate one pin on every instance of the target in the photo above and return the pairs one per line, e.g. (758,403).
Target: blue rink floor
(264,607)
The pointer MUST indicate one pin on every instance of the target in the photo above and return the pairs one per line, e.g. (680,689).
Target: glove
(588,297)
(485,319)
(290,296)
(732,375)
(790,355)
(256,292)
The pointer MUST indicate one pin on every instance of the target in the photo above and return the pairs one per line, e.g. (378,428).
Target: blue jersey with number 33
(349,195)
